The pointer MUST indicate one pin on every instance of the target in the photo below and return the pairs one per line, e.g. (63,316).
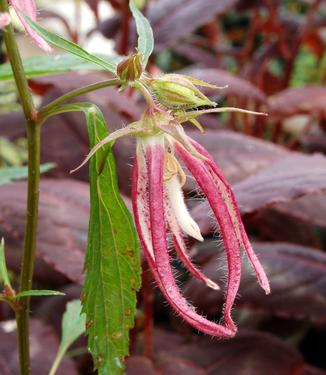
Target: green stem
(46,110)
(17,67)
(33,137)
(145,92)
(60,355)
(26,276)
(57,360)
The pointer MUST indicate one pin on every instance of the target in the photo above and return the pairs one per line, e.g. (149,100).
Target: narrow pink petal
(4,20)
(166,281)
(236,217)
(181,248)
(28,8)
(216,200)
(140,204)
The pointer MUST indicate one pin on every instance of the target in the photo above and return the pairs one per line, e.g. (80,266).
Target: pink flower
(28,8)
(4,20)
(160,211)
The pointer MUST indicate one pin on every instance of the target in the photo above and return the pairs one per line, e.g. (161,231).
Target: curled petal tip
(266,288)
(79,166)
(212,285)
(197,236)
(43,45)
(195,232)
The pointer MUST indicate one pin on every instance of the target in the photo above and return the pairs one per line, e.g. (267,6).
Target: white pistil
(186,222)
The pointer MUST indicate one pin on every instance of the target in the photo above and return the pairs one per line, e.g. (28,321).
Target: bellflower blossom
(28,8)
(158,203)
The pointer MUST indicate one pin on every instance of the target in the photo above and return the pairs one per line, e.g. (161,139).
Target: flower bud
(130,68)
(176,91)
(152,118)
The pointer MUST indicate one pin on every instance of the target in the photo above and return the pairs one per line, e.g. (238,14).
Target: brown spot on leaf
(116,335)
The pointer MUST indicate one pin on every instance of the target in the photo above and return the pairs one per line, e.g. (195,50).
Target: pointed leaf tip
(145,33)
(3,266)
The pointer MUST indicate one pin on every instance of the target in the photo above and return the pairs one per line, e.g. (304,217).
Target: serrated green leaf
(3,265)
(38,66)
(112,261)
(39,293)
(145,33)
(73,325)
(18,173)
(68,46)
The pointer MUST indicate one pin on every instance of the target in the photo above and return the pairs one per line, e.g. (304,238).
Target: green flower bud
(130,68)
(176,91)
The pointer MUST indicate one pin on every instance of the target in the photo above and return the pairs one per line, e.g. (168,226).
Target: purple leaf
(248,353)
(290,102)
(44,344)
(62,230)
(296,274)
(136,365)
(236,86)
(238,155)
(288,179)
(196,54)
(285,180)
(310,208)
(172,20)
(276,224)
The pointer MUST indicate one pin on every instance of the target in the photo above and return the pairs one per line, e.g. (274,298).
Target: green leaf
(73,326)
(39,293)
(145,33)
(18,173)
(68,46)
(3,266)
(112,261)
(45,65)
(73,323)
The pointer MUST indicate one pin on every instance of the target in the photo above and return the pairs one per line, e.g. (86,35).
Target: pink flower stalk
(159,208)
(4,20)
(28,8)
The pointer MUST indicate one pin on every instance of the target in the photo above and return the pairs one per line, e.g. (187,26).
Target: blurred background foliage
(272,56)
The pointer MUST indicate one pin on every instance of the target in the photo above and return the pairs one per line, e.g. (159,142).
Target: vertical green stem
(33,136)
(26,276)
